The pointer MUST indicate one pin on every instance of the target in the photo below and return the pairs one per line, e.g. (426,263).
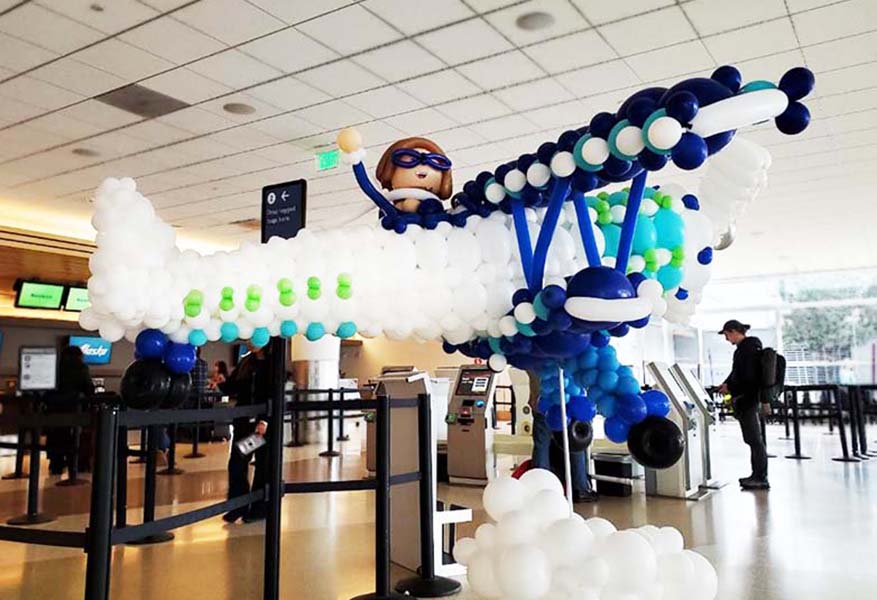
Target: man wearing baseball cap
(744,385)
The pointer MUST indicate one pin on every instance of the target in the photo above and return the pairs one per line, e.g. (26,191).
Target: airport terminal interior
(485,299)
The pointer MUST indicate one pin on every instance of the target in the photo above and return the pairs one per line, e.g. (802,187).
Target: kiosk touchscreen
(689,383)
(471,459)
(37,368)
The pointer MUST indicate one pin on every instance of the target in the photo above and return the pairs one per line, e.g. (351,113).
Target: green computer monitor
(34,294)
(77,299)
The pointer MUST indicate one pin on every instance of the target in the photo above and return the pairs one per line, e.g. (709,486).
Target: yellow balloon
(349,140)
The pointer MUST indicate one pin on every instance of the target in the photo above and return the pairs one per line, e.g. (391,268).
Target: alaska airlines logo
(94,351)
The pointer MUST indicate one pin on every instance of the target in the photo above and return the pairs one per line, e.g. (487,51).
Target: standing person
(74,388)
(744,386)
(249,383)
(219,375)
(542,439)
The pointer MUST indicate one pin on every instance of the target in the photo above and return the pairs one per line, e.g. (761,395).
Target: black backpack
(773,374)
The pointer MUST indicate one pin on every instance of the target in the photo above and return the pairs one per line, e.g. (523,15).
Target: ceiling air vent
(248,224)
(141,101)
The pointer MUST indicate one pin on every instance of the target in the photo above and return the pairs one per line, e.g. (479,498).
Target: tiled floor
(812,537)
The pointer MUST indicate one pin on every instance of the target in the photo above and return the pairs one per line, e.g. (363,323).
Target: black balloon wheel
(656,443)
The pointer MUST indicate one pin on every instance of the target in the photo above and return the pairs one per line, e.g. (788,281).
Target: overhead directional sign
(283,209)
(328,160)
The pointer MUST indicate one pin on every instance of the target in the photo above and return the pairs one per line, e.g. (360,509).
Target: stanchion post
(33,515)
(427,584)
(839,414)
(796,424)
(20,450)
(140,460)
(196,435)
(860,449)
(341,437)
(330,451)
(274,491)
(149,491)
(171,468)
(73,478)
(100,521)
(294,422)
(122,479)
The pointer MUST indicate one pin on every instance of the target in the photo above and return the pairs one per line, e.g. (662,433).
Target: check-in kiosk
(698,395)
(471,458)
(687,477)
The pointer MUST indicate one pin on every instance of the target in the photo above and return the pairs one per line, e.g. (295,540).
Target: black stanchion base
(437,587)
(786,439)
(345,438)
(294,444)
(771,455)
(376,596)
(138,461)
(72,482)
(846,459)
(31,519)
(331,454)
(169,471)
(194,455)
(158,538)
(798,456)
(861,456)
(9,476)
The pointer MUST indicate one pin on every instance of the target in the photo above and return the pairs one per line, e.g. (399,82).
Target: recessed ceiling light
(85,152)
(531,21)
(239,108)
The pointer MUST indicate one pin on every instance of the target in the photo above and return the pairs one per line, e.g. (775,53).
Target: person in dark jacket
(249,383)
(744,386)
(74,389)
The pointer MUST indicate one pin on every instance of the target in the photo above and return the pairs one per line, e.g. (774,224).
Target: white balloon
(497,362)
(481,577)
(595,151)
(524,313)
(594,572)
(664,133)
(518,527)
(536,480)
(549,506)
(630,140)
(485,535)
(524,573)
(706,584)
(464,550)
(669,540)
(624,548)
(567,541)
(600,527)
(504,495)
(515,180)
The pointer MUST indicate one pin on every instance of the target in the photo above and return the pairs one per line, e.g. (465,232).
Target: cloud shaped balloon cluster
(536,550)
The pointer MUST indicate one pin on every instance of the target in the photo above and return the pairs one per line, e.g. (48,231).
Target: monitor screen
(474,382)
(32,294)
(77,299)
(37,368)
(95,350)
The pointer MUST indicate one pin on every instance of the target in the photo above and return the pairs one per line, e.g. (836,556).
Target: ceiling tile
(501,71)
(459,137)
(217,107)
(454,44)
(289,50)
(751,42)
(842,53)
(78,77)
(421,122)
(295,12)
(566,20)
(847,79)
(122,59)
(772,67)
(156,132)
(113,18)
(197,120)
(186,85)
(600,11)
(384,102)
(440,87)
(534,94)
(172,40)
(286,127)
(835,21)
(649,31)
(714,16)
(802,5)
(681,59)
(477,108)
(598,78)
(60,124)
(287,93)
(482,6)
(19,55)
(378,133)
(571,51)
(411,18)
(13,111)
(46,29)
(202,149)
(340,78)
(503,127)
(243,138)
(100,114)
(336,114)
(26,139)
(847,103)
(349,30)
(39,93)
(234,68)
(230,21)
(570,113)
(398,61)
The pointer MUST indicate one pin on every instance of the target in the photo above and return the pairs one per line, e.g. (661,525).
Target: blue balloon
(229,332)
(657,403)
(588,359)
(607,380)
(645,235)
(729,77)
(600,339)
(261,336)
(150,343)
(794,119)
(197,337)
(797,83)
(581,408)
(553,296)
(690,152)
(544,404)
(573,389)
(607,362)
(589,377)
(624,371)
(288,328)
(627,385)
(595,393)
(631,408)
(616,430)
(670,228)
(554,418)
(179,358)
(315,331)
(605,404)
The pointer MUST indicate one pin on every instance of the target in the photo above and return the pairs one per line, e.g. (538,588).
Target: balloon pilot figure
(415,174)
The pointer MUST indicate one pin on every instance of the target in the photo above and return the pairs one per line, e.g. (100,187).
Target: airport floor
(812,537)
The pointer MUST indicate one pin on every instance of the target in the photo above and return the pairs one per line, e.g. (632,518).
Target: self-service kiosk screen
(474,382)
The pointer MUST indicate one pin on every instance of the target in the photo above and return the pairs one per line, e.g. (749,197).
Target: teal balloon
(616,198)
(346,330)
(228,332)
(645,236)
(315,331)
(494,345)
(649,192)
(539,307)
(288,328)
(670,228)
(197,337)
(261,337)
(669,277)
(612,233)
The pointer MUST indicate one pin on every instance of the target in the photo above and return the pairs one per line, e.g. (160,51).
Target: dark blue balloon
(657,403)
(729,77)
(682,106)
(567,140)
(501,172)
(554,417)
(682,294)
(150,343)
(690,201)
(559,320)
(521,295)
(541,327)
(705,256)
(580,408)
(179,358)
(650,95)
(585,181)
(546,152)
(448,347)
(553,296)
(797,83)
(616,429)
(525,161)
(619,330)
(599,339)
(652,161)
(600,282)
(545,403)
(615,167)
(690,152)
(640,109)
(716,142)
(794,119)
(631,408)
(707,91)
(601,124)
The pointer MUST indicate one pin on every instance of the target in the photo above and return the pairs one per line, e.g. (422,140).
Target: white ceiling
(459,71)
